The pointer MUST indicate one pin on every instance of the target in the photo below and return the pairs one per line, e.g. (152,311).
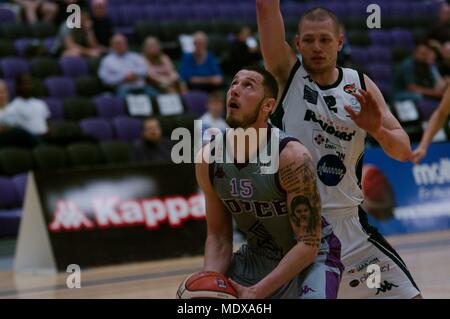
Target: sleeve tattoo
(299,180)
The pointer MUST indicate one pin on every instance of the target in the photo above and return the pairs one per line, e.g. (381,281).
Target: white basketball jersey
(316,116)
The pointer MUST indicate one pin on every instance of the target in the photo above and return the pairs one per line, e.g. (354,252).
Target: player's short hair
(320,14)
(269,82)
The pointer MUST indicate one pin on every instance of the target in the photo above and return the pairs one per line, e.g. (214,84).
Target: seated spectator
(32,10)
(152,147)
(102,23)
(419,77)
(440,31)
(200,69)
(11,136)
(62,5)
(161,72)
(213,118)
(244,50)
(78,41)
(25,111)
(124,70)
(444,63)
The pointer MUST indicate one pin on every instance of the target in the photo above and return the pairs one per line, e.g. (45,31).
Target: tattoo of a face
(305,206)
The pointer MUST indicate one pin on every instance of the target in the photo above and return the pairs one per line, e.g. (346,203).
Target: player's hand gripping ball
(206,285)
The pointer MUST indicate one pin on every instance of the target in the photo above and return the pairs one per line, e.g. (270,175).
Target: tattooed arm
(297,176)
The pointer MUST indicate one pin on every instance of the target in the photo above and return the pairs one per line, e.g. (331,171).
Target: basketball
(206,285)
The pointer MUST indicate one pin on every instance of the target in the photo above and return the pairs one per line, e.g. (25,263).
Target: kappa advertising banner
(122,214)
(404,198)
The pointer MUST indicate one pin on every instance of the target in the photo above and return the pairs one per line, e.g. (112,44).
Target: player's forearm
(218,252)
(295,261)
(395,142)
(437,120)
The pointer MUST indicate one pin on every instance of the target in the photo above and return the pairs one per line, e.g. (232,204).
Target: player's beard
(248,119)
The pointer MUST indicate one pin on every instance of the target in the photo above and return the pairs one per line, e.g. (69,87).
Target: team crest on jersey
(318,138)
(350,88)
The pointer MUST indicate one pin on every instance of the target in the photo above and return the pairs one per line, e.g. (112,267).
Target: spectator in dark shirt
(440,31)
(444,63)
(152,147)
(244,50)
(102,23)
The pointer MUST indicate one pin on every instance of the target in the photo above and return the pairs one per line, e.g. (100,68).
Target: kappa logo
(219,173)
(306,290)
(350,88)
(386,286)
(328,128)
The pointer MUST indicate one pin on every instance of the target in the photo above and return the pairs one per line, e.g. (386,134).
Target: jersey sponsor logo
(331,170)
(321,141)
(310,95)
(328,128)
(219,173)
(386,286)
(331,103)
(383,268)
(364,265)
(350,88)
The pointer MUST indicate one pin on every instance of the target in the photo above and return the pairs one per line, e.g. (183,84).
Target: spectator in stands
(78,41)
(152,147)
(444,63)
(124,70)
(33,9)
(200,69)
(440,31)
(62,5)
(26,111)
(244,50)
(437,121)
(11,136)
(214,115)
(161,71)
(102,23)
(418,76)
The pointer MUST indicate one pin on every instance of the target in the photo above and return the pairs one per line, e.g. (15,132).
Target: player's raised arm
(436,122)
(278,55)
(297,176)
(219,241)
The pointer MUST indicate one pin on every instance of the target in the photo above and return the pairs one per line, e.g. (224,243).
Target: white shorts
(362,245)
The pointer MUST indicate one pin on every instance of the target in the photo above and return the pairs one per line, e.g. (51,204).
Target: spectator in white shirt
(25,111)
(124,70)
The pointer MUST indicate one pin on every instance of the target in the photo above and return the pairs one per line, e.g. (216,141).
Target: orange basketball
(206,285)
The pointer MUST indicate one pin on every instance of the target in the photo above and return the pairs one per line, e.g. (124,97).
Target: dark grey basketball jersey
(257,203)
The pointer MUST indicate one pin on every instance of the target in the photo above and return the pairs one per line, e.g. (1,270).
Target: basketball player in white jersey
(331,110)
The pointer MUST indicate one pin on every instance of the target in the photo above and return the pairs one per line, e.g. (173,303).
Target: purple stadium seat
(99,128)
(402,38)
(56,108)
(7,16)
(10,221)
(109,106)
(49,43)
(11,88)
(60,86)
(127,128)
(21,45)
(8,196)
(13,67)
(20,182)
(380,37)
(360,55)
(195,102)
(379,54)
(380,72)
(427,107)
(74,66)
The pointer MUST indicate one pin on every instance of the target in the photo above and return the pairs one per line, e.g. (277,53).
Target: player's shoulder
(292,150)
